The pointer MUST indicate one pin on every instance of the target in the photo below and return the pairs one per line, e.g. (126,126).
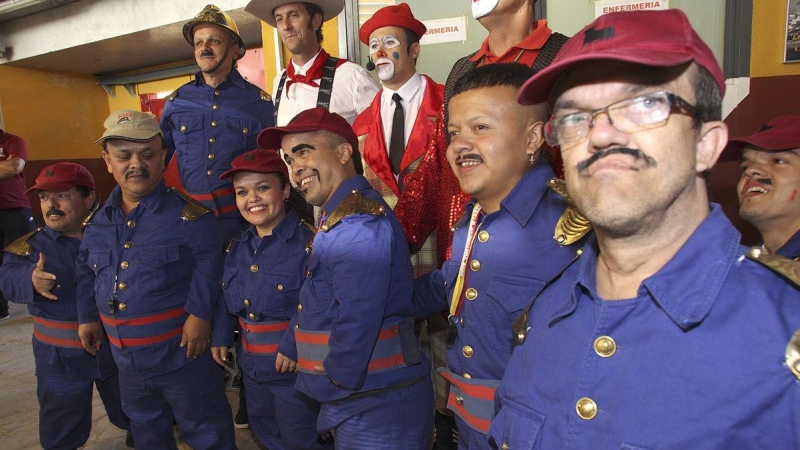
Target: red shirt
(525,52)
(12,189)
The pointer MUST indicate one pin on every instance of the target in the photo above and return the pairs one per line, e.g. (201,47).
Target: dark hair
(314,9)
(334,140)
(296,202)
(491,75)
(412,39)
(708,101)
(85,191)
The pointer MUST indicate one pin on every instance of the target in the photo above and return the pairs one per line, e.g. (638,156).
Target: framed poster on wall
(791,52)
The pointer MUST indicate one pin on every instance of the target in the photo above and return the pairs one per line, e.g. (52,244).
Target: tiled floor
(19,410)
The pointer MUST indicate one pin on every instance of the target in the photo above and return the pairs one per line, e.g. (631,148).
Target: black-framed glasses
(630,115)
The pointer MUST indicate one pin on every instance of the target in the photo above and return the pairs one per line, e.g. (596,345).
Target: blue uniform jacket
(209,127)
(15,282)
(152,261)
(791,249)
(359,279)
(506,271)
(272,292)
(697,359)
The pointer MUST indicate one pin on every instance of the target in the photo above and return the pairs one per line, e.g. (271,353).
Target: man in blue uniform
(149,270)
(770,181)
(665,333)
(215,118)
(356,348)
(504,249)
(39,271)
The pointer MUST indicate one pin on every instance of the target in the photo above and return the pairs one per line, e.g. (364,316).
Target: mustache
(468,157)
(637,154)
(205,53)
(765,181)
(143,172)
(54,212)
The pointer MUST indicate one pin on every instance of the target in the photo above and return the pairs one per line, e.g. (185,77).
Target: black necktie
(397,142)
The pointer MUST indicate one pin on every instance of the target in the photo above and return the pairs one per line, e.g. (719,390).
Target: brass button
(127,245)
(212,140)
(467,351)
(213,123)
(605,346)
(475,265)
(183,128)
(244,130)
(579,252)
(252,316)
(483,236)
(215,106)
(211,156)
(280,288)
(297,327)
(216,92)
(254,268)
(123,286)
(504,446)
(94,266)
(471,294)
(209,172)
(586,408)
(299,307)
(130,223)
(459,399)
(247,303)
(123,306)
(561,239)
(467,376)
(124,264)
(58,286)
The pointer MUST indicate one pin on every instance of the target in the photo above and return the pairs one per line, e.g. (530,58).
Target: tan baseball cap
(130,125)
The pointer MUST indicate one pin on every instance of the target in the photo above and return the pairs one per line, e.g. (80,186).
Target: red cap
(314,119)
(392,16)
(779,134)
(61,177)
(259,161)
(651,38)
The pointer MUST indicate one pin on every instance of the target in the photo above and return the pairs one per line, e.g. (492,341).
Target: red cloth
(376,155)
(523,53)
(12,189)
(313,73)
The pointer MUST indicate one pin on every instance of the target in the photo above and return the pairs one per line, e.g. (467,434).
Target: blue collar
(150,202)
(348,186)
(284,230)
(791,249)
(686,287)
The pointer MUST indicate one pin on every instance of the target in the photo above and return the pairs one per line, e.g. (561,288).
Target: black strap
(397,140)
(325,86)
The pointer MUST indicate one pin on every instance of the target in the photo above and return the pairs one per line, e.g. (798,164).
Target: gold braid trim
(571,226)
(20,246)
(786,267)
(193,208)
(352,204)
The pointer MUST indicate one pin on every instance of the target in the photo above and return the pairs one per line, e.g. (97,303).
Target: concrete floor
(19,409)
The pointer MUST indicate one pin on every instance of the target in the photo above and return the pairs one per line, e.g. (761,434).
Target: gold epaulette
(571,226)
(265,96)
(786,267)
(89,218)
(354,203)
(173,95)
(310,227)
(193,208)
(20,246)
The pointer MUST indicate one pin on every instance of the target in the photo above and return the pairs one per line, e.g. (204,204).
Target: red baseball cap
(259,161)
(392,16)
(779,134)
(61,177)
(314,119)
(650,38)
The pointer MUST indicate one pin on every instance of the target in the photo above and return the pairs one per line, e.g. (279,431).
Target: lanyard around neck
(474,224)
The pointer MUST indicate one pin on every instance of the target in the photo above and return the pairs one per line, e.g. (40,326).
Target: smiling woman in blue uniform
(261,280)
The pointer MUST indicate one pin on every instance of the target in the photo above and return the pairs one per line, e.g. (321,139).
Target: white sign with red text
(451,29)
(607,6)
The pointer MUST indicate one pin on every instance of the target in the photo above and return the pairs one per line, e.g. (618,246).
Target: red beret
(391,16)
(258,161)
(779,134)
(62,176)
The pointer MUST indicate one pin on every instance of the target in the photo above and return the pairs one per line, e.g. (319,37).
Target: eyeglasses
(634,114)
